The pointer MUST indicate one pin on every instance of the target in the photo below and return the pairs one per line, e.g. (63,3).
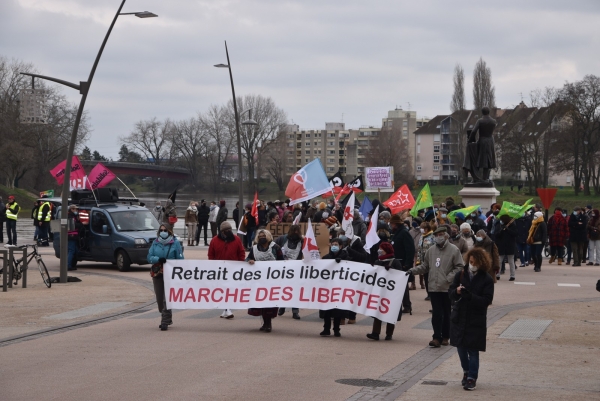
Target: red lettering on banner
(372,300)
(245,295)
(287,294)
(302,299)
(323,295)
(258,294)
(190,295)
(203,293)
(361,295)
(348,293)
(175,296)
(213,295)
(274,296)
(229,294)
(383,308)
(335,292)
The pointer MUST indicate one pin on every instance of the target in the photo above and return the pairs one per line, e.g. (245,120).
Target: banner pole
(379,193)
(125,186)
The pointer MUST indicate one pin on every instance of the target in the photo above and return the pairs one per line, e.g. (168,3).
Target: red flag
(77,171)
(254,211)
(547,196)
(401,200)
(99,177)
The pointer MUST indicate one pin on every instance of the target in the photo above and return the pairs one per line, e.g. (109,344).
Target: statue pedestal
(479,196)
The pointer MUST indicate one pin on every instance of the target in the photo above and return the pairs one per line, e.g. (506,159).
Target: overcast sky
(318,60)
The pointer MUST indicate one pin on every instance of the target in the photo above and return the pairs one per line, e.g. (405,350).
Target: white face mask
(422,231)
(473,268)
(479,239)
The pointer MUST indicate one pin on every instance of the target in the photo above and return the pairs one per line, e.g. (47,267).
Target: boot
(552,259)
(421,282)
(560,261)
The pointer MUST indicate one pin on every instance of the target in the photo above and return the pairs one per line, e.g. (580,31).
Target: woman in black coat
(472,291)
(335,252)
(506,241)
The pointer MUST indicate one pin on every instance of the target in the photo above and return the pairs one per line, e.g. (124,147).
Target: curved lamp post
(83,87)
(237,130)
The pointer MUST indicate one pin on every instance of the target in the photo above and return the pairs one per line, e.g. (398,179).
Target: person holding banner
(264,249)
(335,252)
(164,247)
(226,246)
(387,260)
(404,250)
(291,248)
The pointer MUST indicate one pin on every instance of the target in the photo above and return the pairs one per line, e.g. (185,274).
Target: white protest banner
(379,179)
(322,284)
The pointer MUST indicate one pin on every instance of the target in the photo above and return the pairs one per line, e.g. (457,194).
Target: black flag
(357,184)
(172,196)
(337,180)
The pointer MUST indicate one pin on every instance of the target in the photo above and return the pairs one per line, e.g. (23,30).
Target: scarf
(533,228)
(193,209)
(164,241)
(386,257)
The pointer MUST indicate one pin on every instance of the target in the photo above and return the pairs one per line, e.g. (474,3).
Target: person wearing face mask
(538,235)
(578,235)
(404,250)
(75,231)
(264,249)
(226,246)
(506,241)
(467,234)
(337,253)
(558,232)
(164,247)
(457,239)
(593,229)
(472,291)
(482,240)
(385,259)
(212,218)
(475,222)
(191,221)
(291,248)
(426,242)
(441,262)
(523,252)
(442,216)
(384,220)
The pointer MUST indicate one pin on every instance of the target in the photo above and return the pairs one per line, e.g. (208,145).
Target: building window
(419,177)
(405,123)
(418,148)
(308,152)
(331,169)
(331,152)
(436,158)
(316,143)
(307,144)
(419,139)
(436,148)
(418,167)
(290,145)
(330,143)
(306,160)
(436,168)
(318,151)
(330,135)
(405,133)
(361,169)
(436,137)
(308,135)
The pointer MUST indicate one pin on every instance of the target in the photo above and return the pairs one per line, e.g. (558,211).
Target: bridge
(141,169)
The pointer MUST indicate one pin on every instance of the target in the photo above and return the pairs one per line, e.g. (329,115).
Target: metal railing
(8,268)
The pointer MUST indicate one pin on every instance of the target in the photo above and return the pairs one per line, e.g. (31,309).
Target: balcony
(445,151)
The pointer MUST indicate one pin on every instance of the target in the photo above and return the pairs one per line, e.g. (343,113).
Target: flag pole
(126,186)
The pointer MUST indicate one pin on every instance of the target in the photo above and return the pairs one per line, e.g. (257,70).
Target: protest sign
(320,230)
(320,284)
(379,179)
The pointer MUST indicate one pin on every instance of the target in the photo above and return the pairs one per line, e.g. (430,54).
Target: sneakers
(464,380)
(471,384)
(435,343)
(164,327)
(296,316)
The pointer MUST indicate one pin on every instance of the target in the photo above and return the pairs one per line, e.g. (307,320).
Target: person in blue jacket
(164,247)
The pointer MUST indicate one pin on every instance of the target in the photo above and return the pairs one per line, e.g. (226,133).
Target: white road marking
(568,285)
(524,283)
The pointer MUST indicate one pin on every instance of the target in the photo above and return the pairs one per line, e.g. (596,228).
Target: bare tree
(189,140)
(220,132)
(276,161)
(484,92)
(458,97)
(389,149)
(152,139)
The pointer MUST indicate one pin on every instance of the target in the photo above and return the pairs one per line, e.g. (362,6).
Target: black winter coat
(203,212)
(404,246)
(578,228)
(468,320)
(341,313)
(523,225)
(506,239)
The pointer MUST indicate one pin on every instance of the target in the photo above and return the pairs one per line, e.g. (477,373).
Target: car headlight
(140,242)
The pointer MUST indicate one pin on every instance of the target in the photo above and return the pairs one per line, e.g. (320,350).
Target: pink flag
(99,177)
(77,171)
(310,250)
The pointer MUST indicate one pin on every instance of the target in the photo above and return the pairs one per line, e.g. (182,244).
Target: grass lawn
(23,198)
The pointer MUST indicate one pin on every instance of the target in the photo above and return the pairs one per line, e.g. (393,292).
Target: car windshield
(134,220)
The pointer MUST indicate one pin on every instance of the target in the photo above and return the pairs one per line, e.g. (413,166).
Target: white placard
(379,179)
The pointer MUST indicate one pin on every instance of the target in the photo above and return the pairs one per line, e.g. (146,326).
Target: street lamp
(83,88)
(237,130)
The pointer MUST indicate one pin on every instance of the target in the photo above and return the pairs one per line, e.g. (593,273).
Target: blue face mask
(343,238)
(381,221)
(164,235)
(335,249)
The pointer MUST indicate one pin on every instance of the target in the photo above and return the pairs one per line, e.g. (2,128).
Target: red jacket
(221,250)
(558,230)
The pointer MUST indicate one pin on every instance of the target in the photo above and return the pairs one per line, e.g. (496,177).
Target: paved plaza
(99,340)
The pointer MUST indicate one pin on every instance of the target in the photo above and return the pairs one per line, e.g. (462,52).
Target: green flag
(466,211)
(513,210)
(424,200)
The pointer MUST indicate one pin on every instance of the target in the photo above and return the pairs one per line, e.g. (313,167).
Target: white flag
(372,238)
(310,250)
(297,219)
(349,217)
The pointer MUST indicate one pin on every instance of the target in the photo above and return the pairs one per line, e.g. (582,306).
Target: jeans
(73,248)
(166,316)
(11,231)
(577,248)
(523,253)
(43,233)
(536,255)
(594,247)
(557,251)
(440,318)
(511,263)
(469,361)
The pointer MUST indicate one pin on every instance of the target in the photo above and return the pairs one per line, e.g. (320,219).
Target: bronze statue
(480,154)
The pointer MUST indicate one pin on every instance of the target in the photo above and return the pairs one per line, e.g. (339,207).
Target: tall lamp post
(83,88)
(237,130)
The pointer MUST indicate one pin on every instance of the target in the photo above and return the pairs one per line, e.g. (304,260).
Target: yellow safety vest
(40,214)
(10,214)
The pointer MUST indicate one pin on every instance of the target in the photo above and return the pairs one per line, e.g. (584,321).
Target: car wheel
(123,261)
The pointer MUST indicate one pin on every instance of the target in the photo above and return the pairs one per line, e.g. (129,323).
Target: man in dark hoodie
(203,211)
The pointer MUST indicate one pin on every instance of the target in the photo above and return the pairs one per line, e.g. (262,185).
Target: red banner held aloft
(99,177)
(77,171)
(547,196)
(401,200)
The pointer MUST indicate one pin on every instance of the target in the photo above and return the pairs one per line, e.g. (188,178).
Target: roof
(431,127)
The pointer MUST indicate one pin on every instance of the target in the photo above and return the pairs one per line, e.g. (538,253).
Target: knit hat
(225,225)
(396,219)
(465,226)
(322,206)
(387,247)
(537,215)
(460,215)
